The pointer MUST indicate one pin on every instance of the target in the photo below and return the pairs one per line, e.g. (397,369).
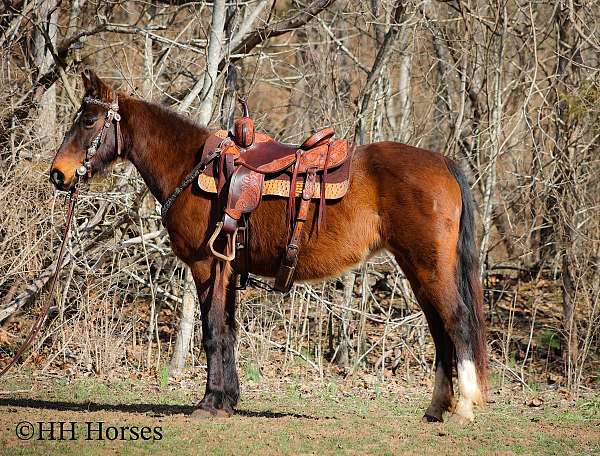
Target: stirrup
(222,256)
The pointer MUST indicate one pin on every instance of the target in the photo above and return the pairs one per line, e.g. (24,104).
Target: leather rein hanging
(83,171)
(192,175)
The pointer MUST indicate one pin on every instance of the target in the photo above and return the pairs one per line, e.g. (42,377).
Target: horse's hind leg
(443,390)
(439,285)
(434,283)
(218,341)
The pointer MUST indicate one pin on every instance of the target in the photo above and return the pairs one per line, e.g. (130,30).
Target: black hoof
(214,405)
(431,418)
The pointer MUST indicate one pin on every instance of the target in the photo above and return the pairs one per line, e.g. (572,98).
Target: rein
(85,170)
(192,175)
(41,318)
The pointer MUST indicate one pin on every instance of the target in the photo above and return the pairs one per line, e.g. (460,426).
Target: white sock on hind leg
(469,388)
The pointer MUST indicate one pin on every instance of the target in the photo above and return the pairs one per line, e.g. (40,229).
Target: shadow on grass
(150,409)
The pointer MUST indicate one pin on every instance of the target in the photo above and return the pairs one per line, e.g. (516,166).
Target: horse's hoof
(432,418)
(222,413)
(203,413)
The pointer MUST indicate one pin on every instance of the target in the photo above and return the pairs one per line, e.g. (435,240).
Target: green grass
(331,417)
(252,372)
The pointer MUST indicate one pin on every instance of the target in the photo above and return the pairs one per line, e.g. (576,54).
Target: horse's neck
(163,146)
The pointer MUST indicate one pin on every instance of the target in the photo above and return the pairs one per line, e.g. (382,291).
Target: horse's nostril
(57,178)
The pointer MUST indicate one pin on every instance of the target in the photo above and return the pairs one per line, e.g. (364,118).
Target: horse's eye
(89,121)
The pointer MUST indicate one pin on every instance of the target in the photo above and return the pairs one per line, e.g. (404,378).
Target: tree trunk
(344,349)
(205,87)
(495,129)
(186,326)
(47,17)
(564,212)
(404,104)
(380,62)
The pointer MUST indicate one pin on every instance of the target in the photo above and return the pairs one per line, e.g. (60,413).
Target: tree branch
(380,60)
(262,34)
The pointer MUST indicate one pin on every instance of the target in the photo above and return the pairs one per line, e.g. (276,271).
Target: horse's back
(400,167)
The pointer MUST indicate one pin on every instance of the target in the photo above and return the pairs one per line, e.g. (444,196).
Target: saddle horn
(243,128)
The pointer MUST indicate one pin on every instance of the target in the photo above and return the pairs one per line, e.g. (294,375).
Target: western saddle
(247,164)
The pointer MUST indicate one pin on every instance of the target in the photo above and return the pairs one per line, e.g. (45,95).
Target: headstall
(111,115)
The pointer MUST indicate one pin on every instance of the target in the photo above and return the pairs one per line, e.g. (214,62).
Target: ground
(335,416)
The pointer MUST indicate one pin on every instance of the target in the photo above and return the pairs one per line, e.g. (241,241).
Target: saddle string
(41,318)
(291,207)
(321,223)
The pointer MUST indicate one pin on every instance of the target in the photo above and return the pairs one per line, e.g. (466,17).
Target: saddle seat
(252,164)
(268,156)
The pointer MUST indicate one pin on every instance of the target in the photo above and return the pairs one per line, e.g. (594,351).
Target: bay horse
(415,203)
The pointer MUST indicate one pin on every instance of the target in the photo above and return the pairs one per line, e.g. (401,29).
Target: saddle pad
(280,185)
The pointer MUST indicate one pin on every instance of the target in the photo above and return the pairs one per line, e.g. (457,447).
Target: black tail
(468,279)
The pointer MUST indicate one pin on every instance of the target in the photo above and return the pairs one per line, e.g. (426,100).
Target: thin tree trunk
(148,84)
(205,87)
(381,59)
(404,102)
(229,99)
(495,131)
(343,351)
(47,13)
(565,212)
(186,326)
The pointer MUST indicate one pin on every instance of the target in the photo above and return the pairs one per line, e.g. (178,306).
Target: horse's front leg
(218,338)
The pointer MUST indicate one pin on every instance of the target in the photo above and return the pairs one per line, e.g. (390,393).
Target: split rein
(83,171)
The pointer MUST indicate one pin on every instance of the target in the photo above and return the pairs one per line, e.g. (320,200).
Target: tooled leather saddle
(247,164)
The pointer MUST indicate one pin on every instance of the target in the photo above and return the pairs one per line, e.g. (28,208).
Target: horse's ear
(92,84)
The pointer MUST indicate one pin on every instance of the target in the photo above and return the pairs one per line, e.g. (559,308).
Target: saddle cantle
(252,164)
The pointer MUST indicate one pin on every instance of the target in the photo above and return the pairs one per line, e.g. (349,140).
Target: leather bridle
(112,115)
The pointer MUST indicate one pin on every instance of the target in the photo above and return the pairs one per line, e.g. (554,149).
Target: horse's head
(94,139)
